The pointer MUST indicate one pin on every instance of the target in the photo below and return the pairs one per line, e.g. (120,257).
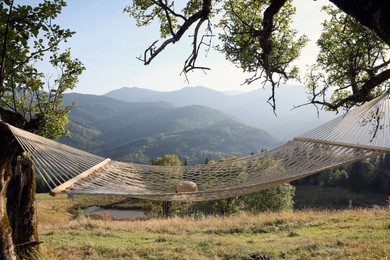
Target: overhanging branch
(267,46)
(202,15)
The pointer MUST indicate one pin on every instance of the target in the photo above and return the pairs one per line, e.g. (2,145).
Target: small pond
(119,214)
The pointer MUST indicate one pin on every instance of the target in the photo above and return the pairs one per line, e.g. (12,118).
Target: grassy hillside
(306,234)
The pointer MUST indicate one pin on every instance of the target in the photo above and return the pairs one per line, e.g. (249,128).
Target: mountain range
(141,131)
(250,108)
(138,125)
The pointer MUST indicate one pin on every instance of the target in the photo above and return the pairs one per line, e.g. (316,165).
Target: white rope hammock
(361,133)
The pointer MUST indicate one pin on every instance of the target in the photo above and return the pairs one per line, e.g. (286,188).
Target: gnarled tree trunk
(21,209)
(18,223)
(8,148)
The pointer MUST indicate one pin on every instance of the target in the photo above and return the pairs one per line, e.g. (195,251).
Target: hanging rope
(54,162)
(366,127)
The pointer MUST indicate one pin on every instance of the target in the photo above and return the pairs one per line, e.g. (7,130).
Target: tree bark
(166,207)
(18,219)
(8,149)
(21,209)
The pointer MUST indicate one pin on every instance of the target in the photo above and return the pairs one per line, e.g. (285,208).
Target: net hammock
(362,133)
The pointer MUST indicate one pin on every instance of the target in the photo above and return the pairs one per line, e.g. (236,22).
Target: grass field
(303,234)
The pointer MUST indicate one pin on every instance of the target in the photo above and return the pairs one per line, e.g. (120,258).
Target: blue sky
(108,42)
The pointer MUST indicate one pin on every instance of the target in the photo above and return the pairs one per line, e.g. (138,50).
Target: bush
(337,178)
(219,207)
(361,176)
(78,214)
(279,198)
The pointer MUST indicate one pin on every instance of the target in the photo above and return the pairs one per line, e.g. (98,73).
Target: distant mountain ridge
(139,132)
(184,97)
(250,108)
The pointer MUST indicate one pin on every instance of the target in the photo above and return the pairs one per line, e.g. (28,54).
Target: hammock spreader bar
(68,184)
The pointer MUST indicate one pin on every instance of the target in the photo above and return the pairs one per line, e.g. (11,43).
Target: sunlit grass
(296,235)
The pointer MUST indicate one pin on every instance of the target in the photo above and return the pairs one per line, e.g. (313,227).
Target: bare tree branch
(200,16)
(191,60)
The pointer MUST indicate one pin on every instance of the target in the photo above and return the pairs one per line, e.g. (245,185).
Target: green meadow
(302,234)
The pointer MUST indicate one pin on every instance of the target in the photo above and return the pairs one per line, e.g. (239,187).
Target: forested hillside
(250,108)
(223,139)
(139,132)
(371,175)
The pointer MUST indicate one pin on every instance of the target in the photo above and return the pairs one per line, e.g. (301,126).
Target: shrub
(279,198)
(219,207)
(78,214)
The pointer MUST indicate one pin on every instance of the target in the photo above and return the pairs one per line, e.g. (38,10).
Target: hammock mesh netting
(361,133)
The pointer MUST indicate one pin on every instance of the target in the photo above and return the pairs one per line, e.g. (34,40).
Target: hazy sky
(108,42)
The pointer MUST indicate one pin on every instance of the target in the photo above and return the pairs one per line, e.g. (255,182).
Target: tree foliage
(362,176)
(275,199)
(167,207)
(28,37)
(244,44)
(257,36)
(279,198)
(30,99)
(352,61)
(167,160)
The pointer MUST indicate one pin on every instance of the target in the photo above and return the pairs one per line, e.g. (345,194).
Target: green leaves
(28,36)
(243,28)
(258,37)
(145,12)
(167,160)
(262,45)
(352,65)
(279,198)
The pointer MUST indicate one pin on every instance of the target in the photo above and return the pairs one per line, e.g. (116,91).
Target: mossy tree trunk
(8,150)
(18,224)
(21,209)
(7,248)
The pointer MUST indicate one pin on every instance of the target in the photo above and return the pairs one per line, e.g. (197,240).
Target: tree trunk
(166,205)
(7,249)
(21,209)
(18,221)
(8,149)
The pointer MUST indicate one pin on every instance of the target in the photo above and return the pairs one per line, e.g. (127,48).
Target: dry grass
(305,234)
